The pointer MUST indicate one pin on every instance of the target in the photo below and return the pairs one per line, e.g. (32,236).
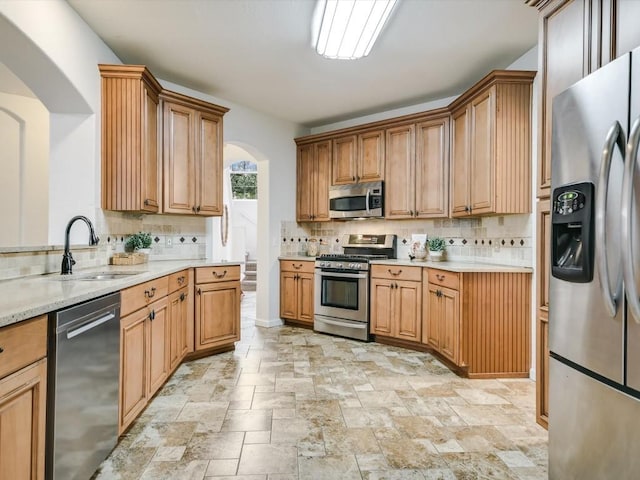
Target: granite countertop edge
(27,297)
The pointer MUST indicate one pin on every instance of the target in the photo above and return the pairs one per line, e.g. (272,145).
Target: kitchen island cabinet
(23,396)
(297,292)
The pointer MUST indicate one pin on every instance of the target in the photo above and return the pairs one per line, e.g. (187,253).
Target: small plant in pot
(139,242)
(436,248)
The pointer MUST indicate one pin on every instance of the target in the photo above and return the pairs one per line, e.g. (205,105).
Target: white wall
(24,161)
(244,215)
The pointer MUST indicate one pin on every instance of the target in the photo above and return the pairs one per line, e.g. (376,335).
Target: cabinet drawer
(137,297)
(217,274)
(397,272)
(22,344)
(178,280)
(299,266)
(444,278)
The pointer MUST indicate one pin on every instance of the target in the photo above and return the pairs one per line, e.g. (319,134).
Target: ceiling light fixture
(349,28)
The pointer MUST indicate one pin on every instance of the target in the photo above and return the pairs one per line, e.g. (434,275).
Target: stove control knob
(339,265)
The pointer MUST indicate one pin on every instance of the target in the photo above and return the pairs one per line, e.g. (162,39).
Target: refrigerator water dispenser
(572,232)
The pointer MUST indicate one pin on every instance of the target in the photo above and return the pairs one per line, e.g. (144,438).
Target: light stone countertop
(27,297)
(457,266)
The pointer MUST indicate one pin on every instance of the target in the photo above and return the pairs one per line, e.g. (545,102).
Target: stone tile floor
(292,404)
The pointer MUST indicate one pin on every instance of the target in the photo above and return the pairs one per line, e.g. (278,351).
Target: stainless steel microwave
(362,200)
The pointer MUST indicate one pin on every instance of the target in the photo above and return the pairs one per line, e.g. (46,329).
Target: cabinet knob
(183,296)
(353,179)
(1,349)
(193,209)
(199,292)
(146,202)
(198,209)
(150,293)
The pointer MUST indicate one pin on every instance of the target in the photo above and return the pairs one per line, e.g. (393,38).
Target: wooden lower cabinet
(396,302)
(178,326)
(297,291)
(23,397)
(217,312)
(441,320)
(144,358)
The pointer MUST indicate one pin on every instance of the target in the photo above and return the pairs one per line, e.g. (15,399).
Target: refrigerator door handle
(625,212)
(615,137)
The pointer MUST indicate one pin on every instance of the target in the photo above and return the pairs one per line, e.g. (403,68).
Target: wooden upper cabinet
(399,191)
(371,156)
(192,151)
(491,146)
(345,157)
(358,158)
(432,168)
(130,139)
(313,175)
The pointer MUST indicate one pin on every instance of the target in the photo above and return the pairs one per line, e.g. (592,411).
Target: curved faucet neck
(67,259)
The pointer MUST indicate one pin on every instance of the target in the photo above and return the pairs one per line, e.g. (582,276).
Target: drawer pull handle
(150,293)
(183,296)
(395,274)
(199,292)
(181,280)
(152,315)
(440,277)
(297,267)
(219,275)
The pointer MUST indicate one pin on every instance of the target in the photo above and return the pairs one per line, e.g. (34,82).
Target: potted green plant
(139,242)
(436,248)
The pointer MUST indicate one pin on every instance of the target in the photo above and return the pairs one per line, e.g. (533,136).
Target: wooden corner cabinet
(130,139)
(441,317)
(23,398)
(297,291)
(192,155)
(217,307)
(313,174)
(396,302)
(491,146)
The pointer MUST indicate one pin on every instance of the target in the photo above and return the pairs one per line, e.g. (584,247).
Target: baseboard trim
(272,322)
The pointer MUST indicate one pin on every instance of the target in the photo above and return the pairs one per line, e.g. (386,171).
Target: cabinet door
(289,295)
(23,399)
(305,297)
(432,168)
(408,307)
(460,163)
(304,183)
(322,181)
(217,314)
(542,371)
(208,180)
(382,307)
(133,366)
(450,324)
(482,153)
(431,316)
(371,156)
(158,347)
(400,172)
(179,172)
(563,61)
(345,154)
(178,328)
(151,178)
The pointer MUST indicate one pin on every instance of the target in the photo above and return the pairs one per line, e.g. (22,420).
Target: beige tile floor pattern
(291,404)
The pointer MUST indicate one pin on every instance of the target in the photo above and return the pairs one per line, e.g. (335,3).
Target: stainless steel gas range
(342,285)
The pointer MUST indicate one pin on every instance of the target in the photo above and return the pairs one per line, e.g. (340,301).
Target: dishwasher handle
(89,326)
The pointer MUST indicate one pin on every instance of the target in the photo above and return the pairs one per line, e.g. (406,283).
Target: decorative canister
(312,247)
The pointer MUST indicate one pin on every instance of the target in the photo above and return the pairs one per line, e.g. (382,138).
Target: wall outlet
(168,242)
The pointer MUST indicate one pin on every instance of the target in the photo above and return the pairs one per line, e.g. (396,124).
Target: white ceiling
(258,52)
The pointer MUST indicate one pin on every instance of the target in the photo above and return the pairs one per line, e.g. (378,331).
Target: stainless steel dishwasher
(82,396)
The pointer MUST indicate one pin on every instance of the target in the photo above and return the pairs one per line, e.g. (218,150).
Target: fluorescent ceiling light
(349,28)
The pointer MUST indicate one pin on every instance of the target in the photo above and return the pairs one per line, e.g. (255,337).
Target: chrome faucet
(67,260)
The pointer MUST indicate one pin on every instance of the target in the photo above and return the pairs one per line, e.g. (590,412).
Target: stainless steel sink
(97,276)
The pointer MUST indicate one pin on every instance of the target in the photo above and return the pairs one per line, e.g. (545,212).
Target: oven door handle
(341,274)
(366,200)
(360,325)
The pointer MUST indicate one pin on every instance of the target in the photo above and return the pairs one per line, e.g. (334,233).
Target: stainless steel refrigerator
(594,308)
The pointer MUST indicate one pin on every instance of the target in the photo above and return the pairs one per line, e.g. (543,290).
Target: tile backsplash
(501,239)
(187,237)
